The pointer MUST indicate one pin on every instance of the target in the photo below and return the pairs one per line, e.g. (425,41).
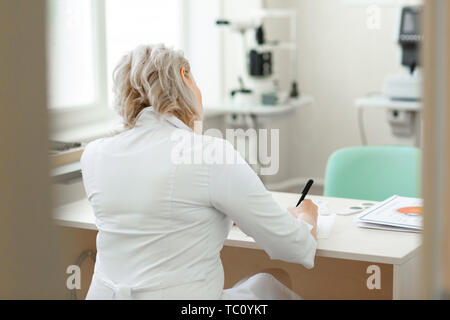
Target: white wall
(339,59)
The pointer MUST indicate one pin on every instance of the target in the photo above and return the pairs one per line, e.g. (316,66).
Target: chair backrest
(374,173)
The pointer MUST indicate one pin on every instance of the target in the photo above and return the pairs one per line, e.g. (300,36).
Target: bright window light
(87,38)
(71,53)
(134,22)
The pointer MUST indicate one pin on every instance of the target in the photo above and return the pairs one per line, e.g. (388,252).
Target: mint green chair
(373,173)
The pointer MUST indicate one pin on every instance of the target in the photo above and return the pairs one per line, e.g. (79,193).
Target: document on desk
(325,225)
(395,214)
(325,220)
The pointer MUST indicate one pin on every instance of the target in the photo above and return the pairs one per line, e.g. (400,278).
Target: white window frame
(78,116)
(88,122)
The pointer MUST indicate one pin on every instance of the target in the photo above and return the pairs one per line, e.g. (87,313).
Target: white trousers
(261,286)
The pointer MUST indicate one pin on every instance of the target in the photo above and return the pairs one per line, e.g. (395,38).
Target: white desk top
(347,241)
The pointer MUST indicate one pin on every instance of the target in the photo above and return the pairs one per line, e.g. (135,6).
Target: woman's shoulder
(89,149)
(112,138)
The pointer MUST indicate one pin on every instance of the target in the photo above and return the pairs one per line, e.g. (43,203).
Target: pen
(305,191)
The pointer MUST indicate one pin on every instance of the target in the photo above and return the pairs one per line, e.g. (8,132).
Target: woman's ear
(183,74)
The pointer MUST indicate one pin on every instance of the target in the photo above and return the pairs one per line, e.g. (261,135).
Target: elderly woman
(162,221)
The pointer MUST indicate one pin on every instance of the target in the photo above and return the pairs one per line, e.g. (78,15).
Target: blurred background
(327,74)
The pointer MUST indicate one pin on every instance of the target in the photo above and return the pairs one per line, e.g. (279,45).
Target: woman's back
(156,225)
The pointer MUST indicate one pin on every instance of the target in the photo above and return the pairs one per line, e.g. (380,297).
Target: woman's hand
(308,212)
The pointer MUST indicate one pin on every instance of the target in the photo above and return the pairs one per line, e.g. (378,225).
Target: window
(133,22)
(86,39)
(72,53)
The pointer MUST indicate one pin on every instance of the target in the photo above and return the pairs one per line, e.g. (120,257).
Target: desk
(341,263)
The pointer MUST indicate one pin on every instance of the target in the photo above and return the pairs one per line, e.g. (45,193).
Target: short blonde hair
(150,76)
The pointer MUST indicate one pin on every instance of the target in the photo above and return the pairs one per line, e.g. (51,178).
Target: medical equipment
(260,73)
(402,93)
(408,84)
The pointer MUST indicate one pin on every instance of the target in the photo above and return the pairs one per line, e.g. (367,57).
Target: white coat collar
(149,115)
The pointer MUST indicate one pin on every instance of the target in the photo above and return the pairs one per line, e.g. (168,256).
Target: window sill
(97,129)
(87,132)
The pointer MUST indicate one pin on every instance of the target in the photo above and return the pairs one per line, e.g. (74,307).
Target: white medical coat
(164,206)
